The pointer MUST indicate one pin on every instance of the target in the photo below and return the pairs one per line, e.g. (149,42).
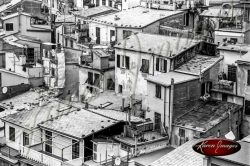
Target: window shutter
(118,60)
(157,64)
(127,62)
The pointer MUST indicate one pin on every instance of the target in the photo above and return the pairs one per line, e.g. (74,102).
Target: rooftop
(108,100)
(244,48)
(126,18)
(199,64)
(216,11)
(21,103)
(181,156)
(30,118)
(147,159)
(165,79)
(87,123)
(242,156)
(205,115)
(117,115)
(95,11)
(245,59)
(8,5)
(157,44)
(65,18)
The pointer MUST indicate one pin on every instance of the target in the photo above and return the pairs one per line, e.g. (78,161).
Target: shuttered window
(232,73)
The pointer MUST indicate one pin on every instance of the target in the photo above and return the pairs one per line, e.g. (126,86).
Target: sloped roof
(242,156)
(117,115)
(31,118)
(136,17)
(167,46)
(205,115)
(78,123)
(91,12)
(181,156)
(199,64)
(165,79)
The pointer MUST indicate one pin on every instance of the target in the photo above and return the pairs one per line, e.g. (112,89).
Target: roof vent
(117,18)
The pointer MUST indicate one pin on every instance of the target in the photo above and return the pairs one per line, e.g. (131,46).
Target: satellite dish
(118,161)
(5,90)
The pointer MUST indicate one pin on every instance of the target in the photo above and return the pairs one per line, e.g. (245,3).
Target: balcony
(225,86)
(41,157)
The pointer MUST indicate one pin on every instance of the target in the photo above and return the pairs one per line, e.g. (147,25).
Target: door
(157,121)
(30,55)
(98,35)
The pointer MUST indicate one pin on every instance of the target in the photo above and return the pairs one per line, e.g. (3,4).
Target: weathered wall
(9,79)
(184,96)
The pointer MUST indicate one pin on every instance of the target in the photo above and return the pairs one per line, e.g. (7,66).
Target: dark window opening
(75,149)
(161,65)
(9,27)
(25,139)
(12,134)
(248,77)
(157,121)
(232,73)
(158,91)
(126,34)
(120,89)
(145,66)
(224,97)
(118,59)
(247,107)
(48,142)
(181,132)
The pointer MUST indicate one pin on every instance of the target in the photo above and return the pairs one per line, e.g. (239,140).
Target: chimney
(206,161)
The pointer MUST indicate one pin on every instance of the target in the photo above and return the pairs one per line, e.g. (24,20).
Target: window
(123,61)
(110,3)
(12,134)
(53,72)
(97,2)
(224,97)
(158,91)
(9,27)
(75,149)
(157,121)
(25,139)
(161,65)
(66,42)
(1,86)
(95,147)
(48,142)
(247,107)
(186,18)
(30,55)
(118,59)
(90,78)
(104,2)
(232,73)
(120,89)
(126,34)
(145,66)
(97,80)
(2,60)
(248,77)
(112,35)
(71,43)
(181,132)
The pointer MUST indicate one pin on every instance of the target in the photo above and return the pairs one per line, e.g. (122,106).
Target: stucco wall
(34,136)
(153,104)
(9,79)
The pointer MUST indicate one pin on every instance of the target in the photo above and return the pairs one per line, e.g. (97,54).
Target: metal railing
(40,157)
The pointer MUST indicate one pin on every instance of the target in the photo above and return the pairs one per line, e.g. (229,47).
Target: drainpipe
(165,98)
(171,105)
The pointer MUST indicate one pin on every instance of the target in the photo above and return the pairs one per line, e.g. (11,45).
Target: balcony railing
(225,86)
(40,157)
